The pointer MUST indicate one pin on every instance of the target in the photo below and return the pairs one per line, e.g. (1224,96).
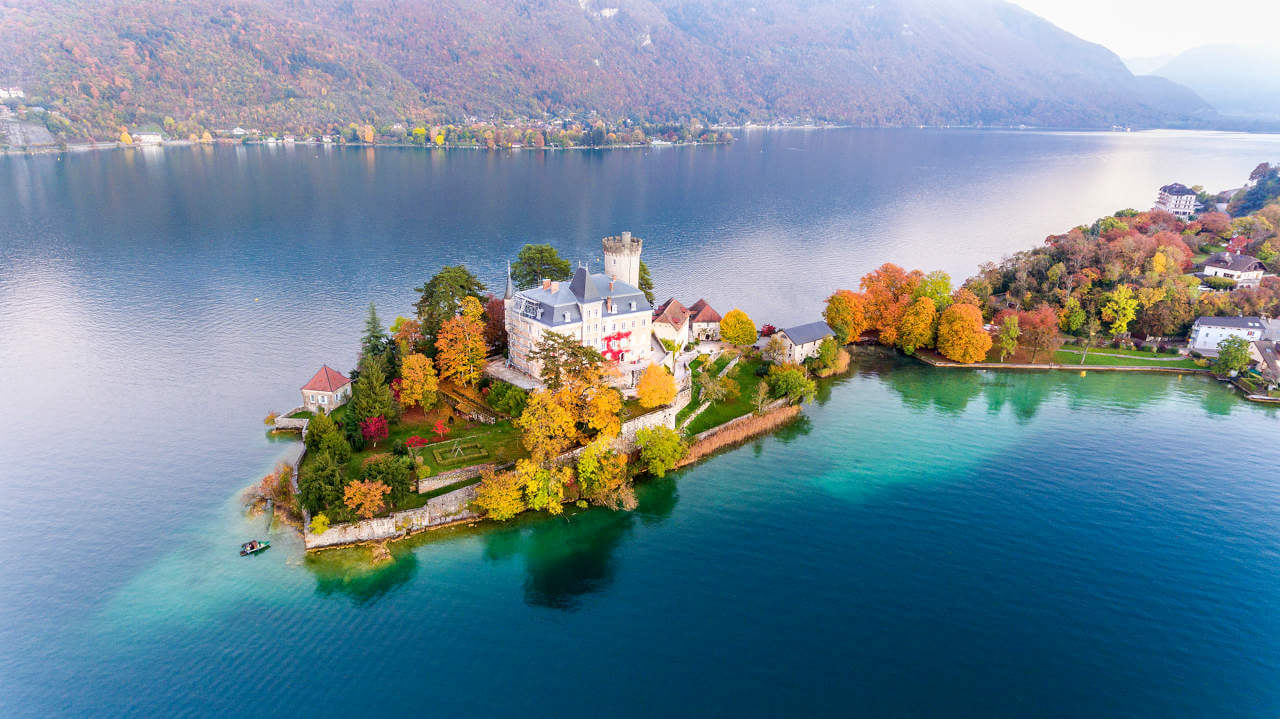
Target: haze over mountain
(312,64)
(1238,81)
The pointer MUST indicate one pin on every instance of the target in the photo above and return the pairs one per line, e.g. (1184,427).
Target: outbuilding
(802,341)
(327,390)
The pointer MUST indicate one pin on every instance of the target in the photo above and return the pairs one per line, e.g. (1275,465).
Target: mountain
(300,64)
(1147,65)
(1238,81)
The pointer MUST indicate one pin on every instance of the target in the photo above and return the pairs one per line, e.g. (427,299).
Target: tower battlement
(622,257)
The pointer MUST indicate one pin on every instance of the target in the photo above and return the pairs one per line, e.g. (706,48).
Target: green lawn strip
(719,364)
(1104,349)
(1069,357)
(698,361)
(719,413)
(301,414)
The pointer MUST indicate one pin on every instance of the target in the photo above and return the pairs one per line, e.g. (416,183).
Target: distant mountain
(1238,81)
(303,64)
(1147,65)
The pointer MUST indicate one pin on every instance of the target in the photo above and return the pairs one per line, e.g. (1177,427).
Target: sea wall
(437,512)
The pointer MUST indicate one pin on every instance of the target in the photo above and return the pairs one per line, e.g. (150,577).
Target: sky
(1149,28)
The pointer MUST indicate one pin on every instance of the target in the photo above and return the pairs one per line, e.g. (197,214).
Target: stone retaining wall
(453,476)
(438,511)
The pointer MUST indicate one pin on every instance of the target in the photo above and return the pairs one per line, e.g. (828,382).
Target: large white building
(1243,269)
(1177,199)
(1207,332)
(605,311)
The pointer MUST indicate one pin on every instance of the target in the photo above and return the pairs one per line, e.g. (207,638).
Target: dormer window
(566,317)
(633,305)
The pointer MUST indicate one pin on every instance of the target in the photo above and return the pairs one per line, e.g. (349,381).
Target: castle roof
(560,303)
(1177,188)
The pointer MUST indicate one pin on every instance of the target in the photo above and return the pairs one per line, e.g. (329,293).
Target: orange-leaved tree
(846,315)
(460,345)
(888,292)
(960,334)
(918,324)
(500,495)
(656,386)
(365,498)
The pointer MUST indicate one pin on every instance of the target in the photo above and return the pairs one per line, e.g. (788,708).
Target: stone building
(327,390)
(604,311)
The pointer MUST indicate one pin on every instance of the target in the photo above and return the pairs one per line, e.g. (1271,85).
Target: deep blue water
(922,543)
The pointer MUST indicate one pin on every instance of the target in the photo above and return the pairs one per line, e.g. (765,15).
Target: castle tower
(622,258)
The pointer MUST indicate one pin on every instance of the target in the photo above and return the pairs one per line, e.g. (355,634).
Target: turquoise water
(920,543)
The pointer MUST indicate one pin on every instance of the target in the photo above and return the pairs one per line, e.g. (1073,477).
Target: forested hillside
(304,65)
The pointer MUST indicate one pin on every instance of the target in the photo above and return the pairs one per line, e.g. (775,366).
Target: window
(324,399)
(633,305)
(566,317)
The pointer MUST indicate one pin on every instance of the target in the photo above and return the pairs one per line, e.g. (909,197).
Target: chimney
(553,286)
(608,301)
(546,284)
(611,281)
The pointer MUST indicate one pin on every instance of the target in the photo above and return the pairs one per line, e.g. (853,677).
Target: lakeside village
(573,383)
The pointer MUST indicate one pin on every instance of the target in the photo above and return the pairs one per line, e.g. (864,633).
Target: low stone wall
(776,404)
(438,511)
(453,476)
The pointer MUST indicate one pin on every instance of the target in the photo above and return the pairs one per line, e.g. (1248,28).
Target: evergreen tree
(646,282)
(539,262)
(442,296)
(374,342)
(372,395)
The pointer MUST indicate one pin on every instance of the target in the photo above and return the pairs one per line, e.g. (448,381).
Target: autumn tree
(544,484)
(916,329)
(366,499)
(460,345)
(500,495)
(395,472)
(547,425)
(495,324)
(418,383)
(775,350)
(846,315)
(441,297)
(1072,316)
(1120,309)
(1007,338)
(792,382)
(602,476)
(936,286)
(1039,330)
(961,337)
(888,292)
(661,448)
(539,262)
(718,389)
(374,429)
(407,334)
(736,328)
(657,387)
(562,358)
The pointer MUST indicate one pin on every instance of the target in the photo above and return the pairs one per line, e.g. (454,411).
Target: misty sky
(1147,28)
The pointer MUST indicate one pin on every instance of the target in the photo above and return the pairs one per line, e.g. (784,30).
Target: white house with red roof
(327,390)
(704,321)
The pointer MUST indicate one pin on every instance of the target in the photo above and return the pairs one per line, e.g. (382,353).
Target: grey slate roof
(811,332)
(1244,323)
(1234,261)
(584,288)
(1177,188)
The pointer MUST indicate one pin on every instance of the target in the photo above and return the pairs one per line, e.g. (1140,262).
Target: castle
(606,311)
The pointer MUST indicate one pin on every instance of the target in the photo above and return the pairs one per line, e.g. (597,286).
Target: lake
(922,542)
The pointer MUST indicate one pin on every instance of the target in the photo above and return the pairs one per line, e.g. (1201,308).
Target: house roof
(811,332)
(1270,361)
(703,312)
(583,288)
(672,313)
(1244,323)
(326,380)
(1177,188)
(1234,262)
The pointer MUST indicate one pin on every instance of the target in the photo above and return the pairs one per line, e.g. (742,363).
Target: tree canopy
(538,262)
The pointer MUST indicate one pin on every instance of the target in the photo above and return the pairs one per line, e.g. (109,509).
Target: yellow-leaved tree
(960,334)
(656,386)
(737,328)
(500,495)
(460,345)
(916,328)
(417,382)
(547,426)
(365,498)
(125,137)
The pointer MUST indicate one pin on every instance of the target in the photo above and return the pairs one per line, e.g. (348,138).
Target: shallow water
(921,542)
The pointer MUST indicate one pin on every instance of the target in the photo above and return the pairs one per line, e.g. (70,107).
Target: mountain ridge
(314,64)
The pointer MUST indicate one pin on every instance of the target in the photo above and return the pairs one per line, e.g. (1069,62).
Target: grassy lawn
(301,414)
(1140,359)
(1126,352)
(717,414)
(699,361)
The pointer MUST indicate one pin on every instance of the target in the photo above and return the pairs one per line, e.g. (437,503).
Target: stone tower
(622,258)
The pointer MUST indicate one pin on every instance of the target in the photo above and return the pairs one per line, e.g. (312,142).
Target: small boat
(253,547)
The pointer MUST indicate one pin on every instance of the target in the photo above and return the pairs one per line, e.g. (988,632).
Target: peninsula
(573,382)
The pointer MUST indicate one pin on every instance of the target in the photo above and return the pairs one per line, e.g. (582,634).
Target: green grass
(1141,359)
(1122,351)
(500,442)
(301,414)
(717,414)
(699,361)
